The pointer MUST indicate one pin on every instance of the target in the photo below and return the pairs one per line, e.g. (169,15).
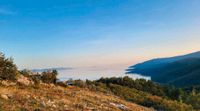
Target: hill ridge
(166,70)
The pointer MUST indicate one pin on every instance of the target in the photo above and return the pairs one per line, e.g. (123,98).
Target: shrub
(80,83)
(25,72)
(49,76)
(8,70)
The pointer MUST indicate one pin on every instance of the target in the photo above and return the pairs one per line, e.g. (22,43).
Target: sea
(94,74)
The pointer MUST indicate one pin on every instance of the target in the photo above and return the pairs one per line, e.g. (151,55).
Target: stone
(4,96)
(24,80)
(7,83)
(120,106)
(54,106)
(43,104)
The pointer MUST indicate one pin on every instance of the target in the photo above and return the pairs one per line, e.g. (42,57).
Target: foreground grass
(48,97)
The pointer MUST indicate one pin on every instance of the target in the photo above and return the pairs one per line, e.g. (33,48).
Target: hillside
(24,90)
(180,70)
(100,95)
(162,61)
(49,97)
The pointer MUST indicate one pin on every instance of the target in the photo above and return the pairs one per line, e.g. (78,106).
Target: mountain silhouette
(181,70)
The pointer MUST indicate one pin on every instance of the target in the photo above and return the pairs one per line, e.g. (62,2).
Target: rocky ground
(48,97)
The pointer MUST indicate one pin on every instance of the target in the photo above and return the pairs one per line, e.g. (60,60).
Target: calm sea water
(92,74)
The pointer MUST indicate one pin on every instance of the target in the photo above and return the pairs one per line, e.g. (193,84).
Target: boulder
(24,80)
(8,83)
(4,96)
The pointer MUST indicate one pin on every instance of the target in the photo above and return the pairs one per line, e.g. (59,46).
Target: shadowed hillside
(180,71)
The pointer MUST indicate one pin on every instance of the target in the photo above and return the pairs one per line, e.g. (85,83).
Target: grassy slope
(50,97)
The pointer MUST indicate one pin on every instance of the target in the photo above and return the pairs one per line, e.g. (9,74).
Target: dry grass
(56,98)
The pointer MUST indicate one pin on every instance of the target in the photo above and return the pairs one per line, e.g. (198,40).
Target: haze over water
(93,74)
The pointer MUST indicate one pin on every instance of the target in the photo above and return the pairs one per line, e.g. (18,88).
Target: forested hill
(180,70)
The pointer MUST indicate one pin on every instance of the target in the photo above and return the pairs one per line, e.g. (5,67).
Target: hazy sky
(97,33)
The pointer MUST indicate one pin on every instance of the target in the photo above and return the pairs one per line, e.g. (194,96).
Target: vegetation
(49,76)
(8,70)
(139,84)
(148,100)
(190,96)
(39,88)
(181,71)
(48,97)
(140,91)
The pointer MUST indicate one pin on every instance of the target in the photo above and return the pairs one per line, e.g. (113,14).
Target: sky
(97,33)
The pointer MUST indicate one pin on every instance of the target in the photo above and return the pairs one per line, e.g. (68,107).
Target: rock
(49,103)
(9,95)
(7,83)
(24,80)
(66,106)
(4,96)
(54,106)
(28,96)
(120,106)
(43,104)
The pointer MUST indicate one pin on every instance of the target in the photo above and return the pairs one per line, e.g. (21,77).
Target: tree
(8,70)
(49,76)
(25,72)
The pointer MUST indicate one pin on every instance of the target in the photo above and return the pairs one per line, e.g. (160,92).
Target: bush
(49,76)
(80,83)
(63,84)
(8,70)
(26,72)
